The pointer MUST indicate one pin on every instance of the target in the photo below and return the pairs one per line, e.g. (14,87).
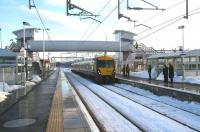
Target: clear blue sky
(14,12)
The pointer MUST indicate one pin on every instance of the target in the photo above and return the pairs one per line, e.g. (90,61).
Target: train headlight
(99,72)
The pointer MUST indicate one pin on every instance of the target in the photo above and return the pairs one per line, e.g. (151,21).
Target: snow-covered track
(142,117)
(159,89)
(186,109)
(106,118)
(175,113)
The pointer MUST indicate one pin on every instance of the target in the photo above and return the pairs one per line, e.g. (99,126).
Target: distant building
(29,35)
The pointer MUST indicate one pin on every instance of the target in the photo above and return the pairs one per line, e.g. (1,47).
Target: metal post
(43,52)
(24,43)
(44,48)
(118,10)
(24,35)
(183,38)
(186,16)
(182,28)
(3,78)
(1,38)
(23,53)
(183,67)
(120,50)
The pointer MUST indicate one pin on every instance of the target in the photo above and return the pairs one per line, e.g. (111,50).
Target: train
(100,68)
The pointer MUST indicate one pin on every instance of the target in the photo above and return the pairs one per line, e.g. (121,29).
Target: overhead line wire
(42,22)
(172,6)
(168,21)
(95,17)
(103,20)
(151,17)
(168,25)
(40,18)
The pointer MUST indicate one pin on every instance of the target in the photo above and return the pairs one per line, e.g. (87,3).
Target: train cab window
(105,63)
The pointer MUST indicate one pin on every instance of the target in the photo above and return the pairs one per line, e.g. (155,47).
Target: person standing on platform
(124,70)
(165,73)
(149,71)
(127,70)
(171,72)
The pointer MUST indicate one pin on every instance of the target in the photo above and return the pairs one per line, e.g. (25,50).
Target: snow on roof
(21,30)
(7,53)
(195,52)
(165,55)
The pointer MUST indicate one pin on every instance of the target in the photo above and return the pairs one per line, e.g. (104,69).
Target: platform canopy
(93,46)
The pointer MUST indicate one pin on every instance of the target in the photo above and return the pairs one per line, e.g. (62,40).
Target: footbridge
(93,46)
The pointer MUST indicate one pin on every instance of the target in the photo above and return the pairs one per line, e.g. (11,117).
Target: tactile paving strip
(55,121)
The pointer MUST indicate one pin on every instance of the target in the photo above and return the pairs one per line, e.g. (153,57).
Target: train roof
(104,57)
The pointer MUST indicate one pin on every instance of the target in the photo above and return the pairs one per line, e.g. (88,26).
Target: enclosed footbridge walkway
(124,43)
(98,46)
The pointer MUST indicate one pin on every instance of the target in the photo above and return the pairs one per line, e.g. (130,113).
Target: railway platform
(50,107)
(183,91)
(194,88)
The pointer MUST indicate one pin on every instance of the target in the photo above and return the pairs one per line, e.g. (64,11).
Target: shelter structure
(185,63)
(7,66)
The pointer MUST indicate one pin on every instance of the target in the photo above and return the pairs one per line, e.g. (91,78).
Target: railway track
(197,113)
(128,104)
(100,121)
(160,108)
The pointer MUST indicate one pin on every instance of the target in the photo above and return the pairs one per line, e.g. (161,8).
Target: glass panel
(178,59)
(178,66)
(186,59)
(192,59)
(161,60)
(187,67)
(192,66)
(105,63)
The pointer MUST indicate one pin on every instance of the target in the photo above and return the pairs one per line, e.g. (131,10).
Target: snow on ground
(188,79)
(5,88)
(3,96)
(161,107)
(36,78)
(66,69)
(189,106)
(147,119)
(110,120)
(29,83)
(144,74)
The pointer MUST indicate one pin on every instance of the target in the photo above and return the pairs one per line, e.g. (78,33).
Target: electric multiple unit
(101,68)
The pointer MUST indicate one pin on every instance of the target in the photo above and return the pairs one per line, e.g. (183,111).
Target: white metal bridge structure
(124,45)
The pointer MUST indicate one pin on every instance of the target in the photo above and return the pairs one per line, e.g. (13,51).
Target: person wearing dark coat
(149,71)
(171,72)
(127,70)
(124,70)
(165,73)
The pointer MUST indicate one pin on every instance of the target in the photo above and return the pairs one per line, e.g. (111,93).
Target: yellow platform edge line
(55,120)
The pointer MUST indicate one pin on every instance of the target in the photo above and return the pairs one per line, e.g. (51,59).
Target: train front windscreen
(105,63)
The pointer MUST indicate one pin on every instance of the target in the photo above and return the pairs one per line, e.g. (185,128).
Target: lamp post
(3,79)
(182,28)
(24,43)
(25,24)
(43,49)
(182,54)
